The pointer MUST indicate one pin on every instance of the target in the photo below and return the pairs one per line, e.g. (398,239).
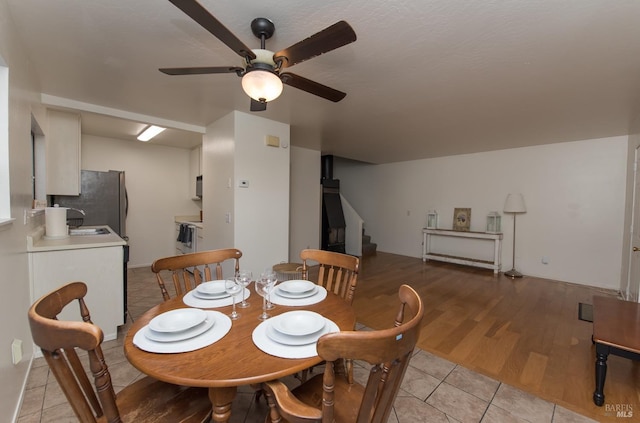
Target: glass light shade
(494,223)
(432,219)
(262,85)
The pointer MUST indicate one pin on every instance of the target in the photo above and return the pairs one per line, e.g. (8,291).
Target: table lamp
(514,204)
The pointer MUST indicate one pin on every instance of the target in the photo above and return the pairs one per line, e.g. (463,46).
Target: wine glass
(233,288)
(262,288)
(243,277)
(270,276)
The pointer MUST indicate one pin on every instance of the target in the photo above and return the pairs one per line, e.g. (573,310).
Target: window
(5,191)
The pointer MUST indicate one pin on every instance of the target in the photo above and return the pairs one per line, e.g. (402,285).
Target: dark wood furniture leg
(602,353)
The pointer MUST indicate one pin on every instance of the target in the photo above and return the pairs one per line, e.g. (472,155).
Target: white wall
(574,192)
(157,180)
(15,298)
(233,150)
(306,202)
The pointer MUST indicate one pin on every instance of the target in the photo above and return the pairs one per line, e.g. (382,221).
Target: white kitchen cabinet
(62,152)
(100,268)
(195,169)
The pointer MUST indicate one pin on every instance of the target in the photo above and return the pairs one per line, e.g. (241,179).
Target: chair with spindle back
(146,400)
(337,272)
(190,270)
(331,397)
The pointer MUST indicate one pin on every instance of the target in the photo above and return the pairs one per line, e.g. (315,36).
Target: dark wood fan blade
(257,106)
(202,70)
(199,14)
(330,38)
(311,87)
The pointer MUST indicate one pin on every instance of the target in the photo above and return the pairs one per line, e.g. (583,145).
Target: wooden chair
(146,400)
(185,280)
(337,272)
(330,398)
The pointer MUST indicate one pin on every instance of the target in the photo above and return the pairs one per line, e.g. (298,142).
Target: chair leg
(274,414)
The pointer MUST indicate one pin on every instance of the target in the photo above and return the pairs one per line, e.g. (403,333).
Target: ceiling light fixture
(261,83)
(150,132)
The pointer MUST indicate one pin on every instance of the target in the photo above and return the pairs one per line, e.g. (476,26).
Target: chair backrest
(187,269)
(58,340)
(337,272)
(387,350)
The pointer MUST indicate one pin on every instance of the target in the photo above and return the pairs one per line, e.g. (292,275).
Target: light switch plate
(272,141)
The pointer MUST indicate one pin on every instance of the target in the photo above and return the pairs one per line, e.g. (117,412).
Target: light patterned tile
(562,415)
(496,414)
(412,410)
(458,404)
(32,401)
(432,364)
(418,383)
(474,383)
(523,405)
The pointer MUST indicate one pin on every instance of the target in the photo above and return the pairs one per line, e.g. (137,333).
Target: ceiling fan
(262,75)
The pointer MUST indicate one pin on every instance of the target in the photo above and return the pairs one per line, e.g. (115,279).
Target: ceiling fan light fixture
(150,132)
(261,85)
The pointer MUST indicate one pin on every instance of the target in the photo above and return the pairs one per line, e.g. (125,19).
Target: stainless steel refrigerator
(103,197)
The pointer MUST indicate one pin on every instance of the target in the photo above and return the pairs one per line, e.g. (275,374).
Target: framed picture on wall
(461,219)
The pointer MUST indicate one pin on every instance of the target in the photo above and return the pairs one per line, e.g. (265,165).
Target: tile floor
(433,390)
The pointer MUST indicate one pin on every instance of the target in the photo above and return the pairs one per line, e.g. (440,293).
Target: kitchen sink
(89,231)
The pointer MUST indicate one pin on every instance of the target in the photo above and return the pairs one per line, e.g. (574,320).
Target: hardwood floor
(524,332)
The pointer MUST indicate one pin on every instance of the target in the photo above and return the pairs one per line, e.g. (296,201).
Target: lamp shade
(515,204)
(262,85)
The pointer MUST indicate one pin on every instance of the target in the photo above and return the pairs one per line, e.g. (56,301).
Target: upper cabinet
(195,169)
(62,141)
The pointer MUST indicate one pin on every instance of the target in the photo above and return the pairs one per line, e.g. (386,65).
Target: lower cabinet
(99,268)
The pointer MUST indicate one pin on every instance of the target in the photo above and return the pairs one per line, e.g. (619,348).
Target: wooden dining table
(234,360)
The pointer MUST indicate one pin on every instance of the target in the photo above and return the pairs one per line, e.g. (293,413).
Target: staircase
(368,248)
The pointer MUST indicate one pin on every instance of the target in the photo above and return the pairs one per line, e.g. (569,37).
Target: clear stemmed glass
(243,277)
(270,276)
(233,288)
(262,288)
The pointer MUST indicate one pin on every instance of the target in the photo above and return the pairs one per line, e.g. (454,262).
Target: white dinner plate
(204,296)
(319,295)
(211,287)
(215,333)
(296,286)
(281,338)
(305,294)
(182,335)
(177,320)
(192,300)
(298,323)
(269,346)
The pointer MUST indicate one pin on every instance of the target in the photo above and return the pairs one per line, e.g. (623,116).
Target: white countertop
(194,220)
(38,242)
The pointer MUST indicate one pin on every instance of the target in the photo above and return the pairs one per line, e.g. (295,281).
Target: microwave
(199,186)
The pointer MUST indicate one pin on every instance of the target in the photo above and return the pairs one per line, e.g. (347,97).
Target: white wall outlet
(16,351)
(227,217)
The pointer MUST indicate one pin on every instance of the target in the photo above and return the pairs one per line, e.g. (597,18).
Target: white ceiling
(425,78)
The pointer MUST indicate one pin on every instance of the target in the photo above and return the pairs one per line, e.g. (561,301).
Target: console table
(428,254)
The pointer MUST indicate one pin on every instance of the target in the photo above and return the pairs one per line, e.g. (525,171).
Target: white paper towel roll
(56,221)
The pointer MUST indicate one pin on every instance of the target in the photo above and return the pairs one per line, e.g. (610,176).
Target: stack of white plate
(212,290)
(297,328)
(181,330)
(178,325)
(296,289)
